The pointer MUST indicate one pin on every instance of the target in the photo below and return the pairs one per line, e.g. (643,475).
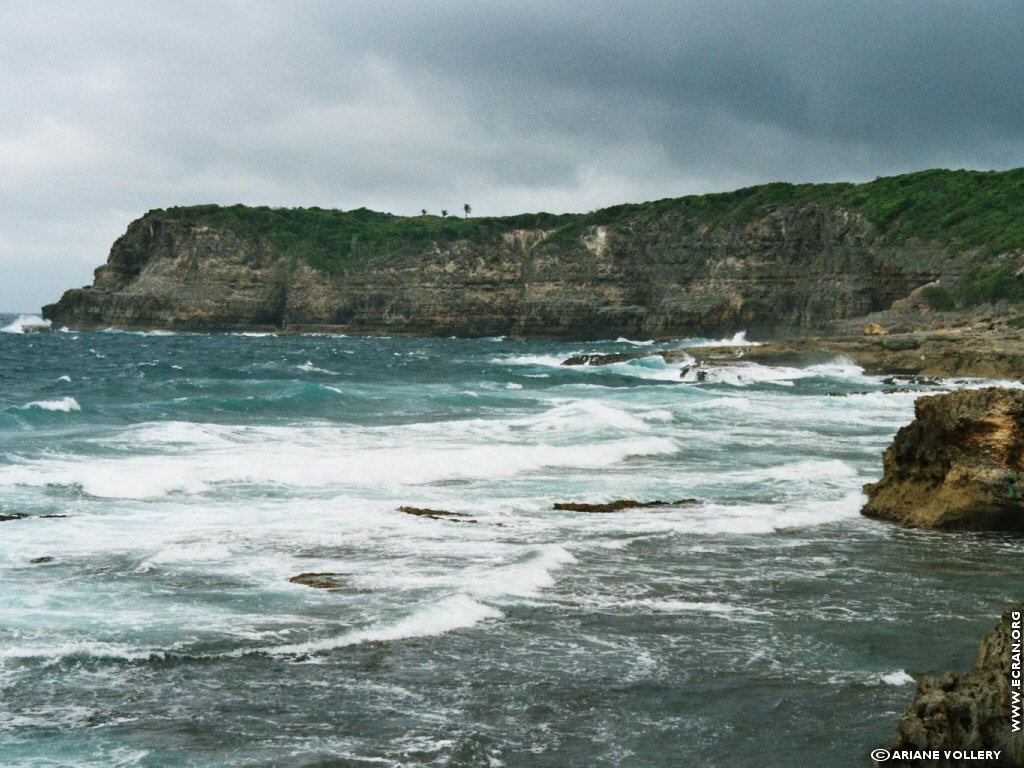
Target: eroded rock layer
(648,275)
(957,466)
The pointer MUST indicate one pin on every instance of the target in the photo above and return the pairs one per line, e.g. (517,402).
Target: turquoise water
(768,625)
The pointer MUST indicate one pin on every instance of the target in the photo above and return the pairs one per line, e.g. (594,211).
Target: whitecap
(686,606)
(457,612)
(738,339)
(192,552)
(624,340)
(65,404)
(897,677)
(310,368)
(524,579)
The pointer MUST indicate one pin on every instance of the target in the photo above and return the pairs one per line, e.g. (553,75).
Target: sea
(159,492)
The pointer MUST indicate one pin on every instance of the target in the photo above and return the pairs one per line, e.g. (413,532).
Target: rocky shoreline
(970,713)
(981,343)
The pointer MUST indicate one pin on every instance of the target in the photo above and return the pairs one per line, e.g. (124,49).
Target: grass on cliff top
(960,209)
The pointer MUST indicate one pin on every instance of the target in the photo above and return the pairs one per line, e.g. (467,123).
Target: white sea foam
(745,374)
(254,334)
(65,404)
(191,552)
(737,340)
(685,606)
(457,612)
(88,648)
(155,332)
(624,340)
(310,368)
(316,465)
(524,579)
(545,361)
(24,323)
(64,378)
(897,677)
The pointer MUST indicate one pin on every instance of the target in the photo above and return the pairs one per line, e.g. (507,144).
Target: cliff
(773,259)
(967,713)
(959,465)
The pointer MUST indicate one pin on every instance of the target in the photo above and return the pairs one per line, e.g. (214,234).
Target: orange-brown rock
(958,466)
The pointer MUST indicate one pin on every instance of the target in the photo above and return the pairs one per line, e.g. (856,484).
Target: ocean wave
(897,677)
(746,374)
(77,649)
(457,612)
(24,322)
(686,606)
(65,404)
(308,367)
(316,466)
(155,332)
(624,340)
(524,579)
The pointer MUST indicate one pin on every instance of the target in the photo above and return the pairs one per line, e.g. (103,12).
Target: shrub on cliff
(982,286)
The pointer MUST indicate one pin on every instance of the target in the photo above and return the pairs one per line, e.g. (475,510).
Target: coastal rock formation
(323,580)
(618,505)
(775,259)
(970,712)
(957,466)
(438,514)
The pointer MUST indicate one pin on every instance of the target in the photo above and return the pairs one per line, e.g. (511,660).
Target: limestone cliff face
(970,712)
(959,465)
(795,267)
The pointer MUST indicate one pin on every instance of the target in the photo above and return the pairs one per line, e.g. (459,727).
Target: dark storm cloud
(108,109)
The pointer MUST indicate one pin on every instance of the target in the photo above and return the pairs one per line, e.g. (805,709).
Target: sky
(110,109)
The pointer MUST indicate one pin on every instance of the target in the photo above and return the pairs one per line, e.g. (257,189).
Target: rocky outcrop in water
(650,274)
(971,712)
(619,505)
(321,580)
(958,466)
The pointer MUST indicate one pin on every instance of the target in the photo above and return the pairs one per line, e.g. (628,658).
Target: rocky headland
(780,260)
(958,466)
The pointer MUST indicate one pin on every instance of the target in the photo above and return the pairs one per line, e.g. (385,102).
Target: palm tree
(444,213)
(423,211)
(467,208)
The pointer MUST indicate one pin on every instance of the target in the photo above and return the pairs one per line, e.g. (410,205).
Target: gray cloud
(109,109)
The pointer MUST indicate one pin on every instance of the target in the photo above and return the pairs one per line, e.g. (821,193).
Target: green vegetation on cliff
(332,239)
(963,210)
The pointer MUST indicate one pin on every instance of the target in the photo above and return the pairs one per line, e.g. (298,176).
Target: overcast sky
(110,109)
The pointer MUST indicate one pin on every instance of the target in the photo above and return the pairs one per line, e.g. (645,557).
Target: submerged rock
(43,559)
(12,516)
(970,712)
(959,465)
(619,504)
(609,359)
(320,580)
(438,514)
